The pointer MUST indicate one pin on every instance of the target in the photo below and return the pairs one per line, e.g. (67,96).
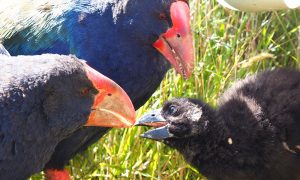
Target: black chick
(253,134)
(43,100)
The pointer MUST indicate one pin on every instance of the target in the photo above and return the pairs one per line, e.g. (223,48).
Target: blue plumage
(115,41)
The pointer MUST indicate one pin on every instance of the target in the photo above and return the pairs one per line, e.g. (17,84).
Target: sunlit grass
(229,46)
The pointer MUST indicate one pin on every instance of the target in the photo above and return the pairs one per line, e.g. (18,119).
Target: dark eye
(162,16)
(172,110)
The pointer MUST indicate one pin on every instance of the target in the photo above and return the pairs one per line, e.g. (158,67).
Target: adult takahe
(44,99)
(132,42)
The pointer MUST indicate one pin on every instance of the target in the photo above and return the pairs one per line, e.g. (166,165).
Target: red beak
(177,43)
(112,107)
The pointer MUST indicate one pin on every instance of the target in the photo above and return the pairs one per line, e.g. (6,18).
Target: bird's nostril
(109,94)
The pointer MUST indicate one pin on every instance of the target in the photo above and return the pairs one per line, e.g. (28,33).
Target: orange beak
(112,107)
(177,43)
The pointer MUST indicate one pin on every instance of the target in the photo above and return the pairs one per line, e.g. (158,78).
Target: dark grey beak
(154,119)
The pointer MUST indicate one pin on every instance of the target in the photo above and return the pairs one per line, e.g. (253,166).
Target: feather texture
(33,92)
(253,134)
(115,37)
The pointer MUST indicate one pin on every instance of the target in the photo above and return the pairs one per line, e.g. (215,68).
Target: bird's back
(278,93)
(270,94)
(268,130)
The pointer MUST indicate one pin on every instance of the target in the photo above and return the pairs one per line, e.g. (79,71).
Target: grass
(229,46)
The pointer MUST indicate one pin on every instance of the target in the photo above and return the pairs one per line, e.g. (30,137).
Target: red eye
(183,1)
(162,16)
(84,91)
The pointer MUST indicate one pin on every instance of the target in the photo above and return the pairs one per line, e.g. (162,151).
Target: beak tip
(136,124)
(147,136)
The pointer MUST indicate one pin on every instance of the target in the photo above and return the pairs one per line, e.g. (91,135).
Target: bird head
(165,26)
(176,44)
(132,40)
(179,121)
(78,93)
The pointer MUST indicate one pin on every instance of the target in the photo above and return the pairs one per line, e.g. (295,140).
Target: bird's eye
(172,110)
(162,16)
(84,91)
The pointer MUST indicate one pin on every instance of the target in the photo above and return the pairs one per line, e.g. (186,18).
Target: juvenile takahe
(43,100)
(132,42)
(253,134)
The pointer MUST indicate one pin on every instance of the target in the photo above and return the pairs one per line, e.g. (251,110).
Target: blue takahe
(133,42)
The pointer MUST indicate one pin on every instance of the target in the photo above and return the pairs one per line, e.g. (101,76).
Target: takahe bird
(129,41)
(44,99)
(253,134)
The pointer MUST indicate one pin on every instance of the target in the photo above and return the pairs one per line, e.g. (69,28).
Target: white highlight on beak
(121,118)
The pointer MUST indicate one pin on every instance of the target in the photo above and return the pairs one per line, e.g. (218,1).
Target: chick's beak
(177,43)
(154,119)
(112,107)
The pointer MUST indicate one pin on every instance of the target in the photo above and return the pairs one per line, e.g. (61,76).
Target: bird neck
(208,150)
(234,138)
